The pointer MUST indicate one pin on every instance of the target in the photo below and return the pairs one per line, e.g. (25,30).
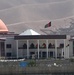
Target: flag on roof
(48,25)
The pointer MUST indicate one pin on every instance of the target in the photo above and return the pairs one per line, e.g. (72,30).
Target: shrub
(72,60)
(31,63)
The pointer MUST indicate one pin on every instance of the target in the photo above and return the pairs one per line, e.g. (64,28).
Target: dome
(3,28)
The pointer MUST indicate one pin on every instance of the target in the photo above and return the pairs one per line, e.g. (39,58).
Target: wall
(71,48)
(13,46)
(23,51)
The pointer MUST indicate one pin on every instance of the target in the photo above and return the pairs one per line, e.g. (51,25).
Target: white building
(30,43)
(55,46)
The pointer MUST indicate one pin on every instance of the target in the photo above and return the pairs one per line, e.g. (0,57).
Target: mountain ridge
(34,14)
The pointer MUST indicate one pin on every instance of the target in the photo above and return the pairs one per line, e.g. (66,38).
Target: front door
(31,54)
(44,54)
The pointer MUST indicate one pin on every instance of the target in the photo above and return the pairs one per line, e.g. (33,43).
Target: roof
(29,32)
(19,37)
(3,28)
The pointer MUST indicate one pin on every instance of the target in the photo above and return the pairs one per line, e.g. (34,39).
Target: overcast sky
(15,12)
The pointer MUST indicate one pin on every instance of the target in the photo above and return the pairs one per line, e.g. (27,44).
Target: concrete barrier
(41,67)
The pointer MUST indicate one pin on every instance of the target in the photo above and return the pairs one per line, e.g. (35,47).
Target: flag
(48,25)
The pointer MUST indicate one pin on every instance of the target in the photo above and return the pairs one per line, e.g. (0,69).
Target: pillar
(64,48)
(47,47)
(56,48)
(17,49)
(27,49)
(38,48)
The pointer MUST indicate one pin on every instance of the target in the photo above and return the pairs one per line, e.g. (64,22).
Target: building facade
(37,46)
(34,46)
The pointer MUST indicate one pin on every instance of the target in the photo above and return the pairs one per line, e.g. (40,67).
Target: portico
(42,46)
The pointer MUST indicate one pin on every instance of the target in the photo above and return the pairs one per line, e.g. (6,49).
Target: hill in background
(20,15)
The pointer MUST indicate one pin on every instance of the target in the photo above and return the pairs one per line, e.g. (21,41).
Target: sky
(20,15)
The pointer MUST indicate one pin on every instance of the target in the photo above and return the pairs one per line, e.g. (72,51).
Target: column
(62,52)
(64,48)
(47,47)
(17,49)
(68,48)
(27,49)
(38,48)
(55,48)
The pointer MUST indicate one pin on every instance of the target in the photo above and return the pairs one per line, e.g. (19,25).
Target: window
(61,45)
(8,46)
(8,54)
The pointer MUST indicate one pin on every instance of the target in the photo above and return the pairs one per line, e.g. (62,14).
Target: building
(31,44)
(6,41)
